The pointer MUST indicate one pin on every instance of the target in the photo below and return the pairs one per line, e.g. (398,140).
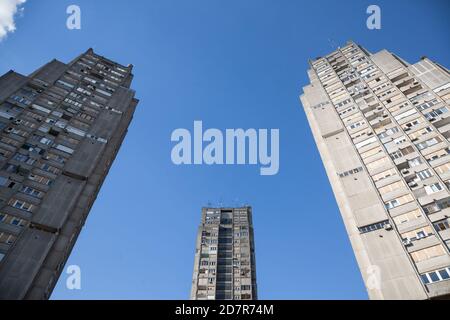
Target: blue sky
(231,64)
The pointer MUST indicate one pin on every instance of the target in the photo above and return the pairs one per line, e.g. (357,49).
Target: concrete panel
(58,200)
(10,83)
(18,270)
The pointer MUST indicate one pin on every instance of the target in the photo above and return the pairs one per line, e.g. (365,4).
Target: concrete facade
(381,126)
(62,127)
(224,266)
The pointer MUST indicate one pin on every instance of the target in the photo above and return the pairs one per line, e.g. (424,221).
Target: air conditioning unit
(388,226)
(407,242)
(412,184)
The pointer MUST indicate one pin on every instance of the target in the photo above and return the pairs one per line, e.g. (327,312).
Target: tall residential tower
(224,267)
(382,127)
(61,128)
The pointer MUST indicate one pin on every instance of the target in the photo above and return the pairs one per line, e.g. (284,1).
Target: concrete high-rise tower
(224,267)
(61,128)
(382,127)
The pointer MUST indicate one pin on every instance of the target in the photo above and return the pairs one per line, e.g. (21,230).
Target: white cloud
(8,9)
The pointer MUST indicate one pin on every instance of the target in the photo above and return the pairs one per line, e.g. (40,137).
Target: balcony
(366,107)
(378,112)
(406,82)
(380,121)
(441,121)
(408,174)
(412,89)
(399,77)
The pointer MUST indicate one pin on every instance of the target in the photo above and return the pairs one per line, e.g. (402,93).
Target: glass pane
(424,278)
(444,274)
(434,277)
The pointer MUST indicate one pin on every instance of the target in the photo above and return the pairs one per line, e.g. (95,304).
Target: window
(40,108)
(400,140)
(22,205)
(399,201)
(32,192)
(420,96)
(425,279)
(414,162)
(396,155)
(371,152)
(350,172)
(49,168)
(417,234)
(428,253)
(388,132)
(356,125)
(408,216)
(409,125)
(373,227)
(391,187)
(443,168)
(428,143)
(435,187)
(419,133)
(75,131)
(377,163)
(64,149)
(392,204)
(73,103)
(20,99)
(15,221)
(441,225)
(106,93)
(6,238)
(436,276)
(66,84)
(55,157)
(424,174)
(84,91)
(383,175)
(427,105)
(436,206)
(39,179)
(433,276)
(444,274)
(435,113)
(23,158)
(407,150)
(405,114)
